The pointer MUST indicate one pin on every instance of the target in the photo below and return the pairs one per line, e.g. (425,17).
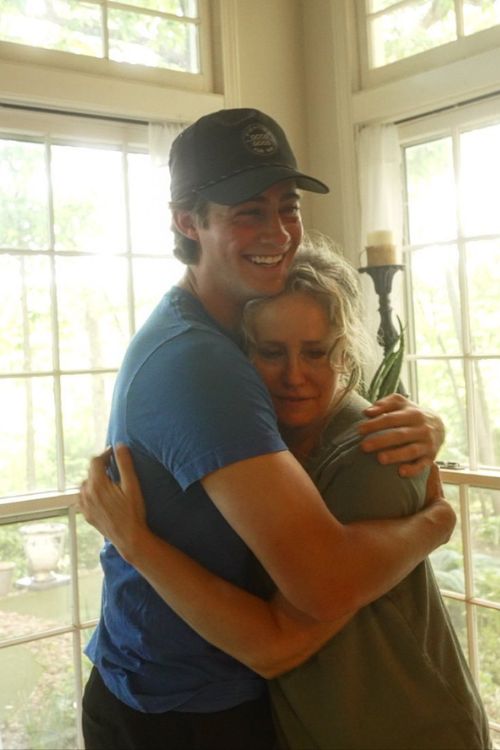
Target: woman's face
(293,340)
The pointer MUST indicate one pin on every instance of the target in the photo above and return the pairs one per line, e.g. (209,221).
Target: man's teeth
(267,260)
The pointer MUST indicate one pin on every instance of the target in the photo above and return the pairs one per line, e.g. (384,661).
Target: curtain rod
(449,107)
(90,116)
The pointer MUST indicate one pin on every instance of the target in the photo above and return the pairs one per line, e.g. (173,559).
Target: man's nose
(275,230)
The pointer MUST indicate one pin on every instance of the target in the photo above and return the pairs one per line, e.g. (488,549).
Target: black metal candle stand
(382,277)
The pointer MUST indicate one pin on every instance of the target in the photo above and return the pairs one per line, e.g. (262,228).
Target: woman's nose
(293,373)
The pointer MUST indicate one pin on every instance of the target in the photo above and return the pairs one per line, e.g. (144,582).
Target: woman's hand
(409,435)
(115,509)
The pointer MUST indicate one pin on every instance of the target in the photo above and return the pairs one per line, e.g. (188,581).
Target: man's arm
(270,637)
(323,568)
(411,436)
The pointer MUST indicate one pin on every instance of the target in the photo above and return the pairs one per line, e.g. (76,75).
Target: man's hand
(411,436)
(115,509)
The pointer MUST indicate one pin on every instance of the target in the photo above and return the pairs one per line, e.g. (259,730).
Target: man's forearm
(270,637)
(395,547)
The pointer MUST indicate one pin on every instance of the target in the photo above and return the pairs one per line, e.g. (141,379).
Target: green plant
(386,377)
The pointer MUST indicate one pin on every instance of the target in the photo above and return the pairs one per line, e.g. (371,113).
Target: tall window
(452,167)
(85,254)
(156,33)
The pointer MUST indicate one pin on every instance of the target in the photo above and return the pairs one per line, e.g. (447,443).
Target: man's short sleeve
(197,404)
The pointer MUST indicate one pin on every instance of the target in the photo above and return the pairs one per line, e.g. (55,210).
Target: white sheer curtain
(379,175)
(161,136)
(379,170)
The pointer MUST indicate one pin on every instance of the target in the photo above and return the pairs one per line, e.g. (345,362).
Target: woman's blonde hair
(320,271)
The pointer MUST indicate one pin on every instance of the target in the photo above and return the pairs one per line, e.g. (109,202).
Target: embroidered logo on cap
(259,140)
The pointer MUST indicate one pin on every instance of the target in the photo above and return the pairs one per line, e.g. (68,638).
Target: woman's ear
(185,224)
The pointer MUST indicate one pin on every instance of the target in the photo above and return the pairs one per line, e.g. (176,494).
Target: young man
(218,480)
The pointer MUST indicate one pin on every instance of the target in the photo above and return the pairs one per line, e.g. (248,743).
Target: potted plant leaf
(386,378)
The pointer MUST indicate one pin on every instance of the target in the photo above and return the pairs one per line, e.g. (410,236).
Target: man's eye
(293,210)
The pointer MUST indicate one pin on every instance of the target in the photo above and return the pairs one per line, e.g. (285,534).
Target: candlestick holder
(382,277)
(387,335)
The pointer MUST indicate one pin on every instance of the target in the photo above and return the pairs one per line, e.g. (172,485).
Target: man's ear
(185,224)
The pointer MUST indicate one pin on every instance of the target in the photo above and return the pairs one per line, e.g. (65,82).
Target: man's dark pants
(109,724)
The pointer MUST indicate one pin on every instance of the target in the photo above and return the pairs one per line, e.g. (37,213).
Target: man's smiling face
(246,249)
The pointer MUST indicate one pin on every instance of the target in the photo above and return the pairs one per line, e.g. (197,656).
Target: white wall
(286,67)
(269,47)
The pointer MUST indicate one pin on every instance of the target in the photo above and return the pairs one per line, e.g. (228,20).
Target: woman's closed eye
(319,353)
(269,353)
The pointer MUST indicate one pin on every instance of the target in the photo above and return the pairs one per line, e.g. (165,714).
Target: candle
(381,250)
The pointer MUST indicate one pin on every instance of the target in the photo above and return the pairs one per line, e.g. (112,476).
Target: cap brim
(248,183)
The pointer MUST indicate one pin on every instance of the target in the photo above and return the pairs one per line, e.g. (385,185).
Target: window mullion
(105,30)
(459,18)
(470,411)
(470,611)
(59,437)
(128,239)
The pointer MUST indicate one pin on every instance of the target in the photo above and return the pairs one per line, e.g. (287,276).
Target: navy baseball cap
(229,156)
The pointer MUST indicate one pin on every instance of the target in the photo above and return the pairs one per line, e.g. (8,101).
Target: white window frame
(38,506)
(412,132)
(463,47)
(11,52)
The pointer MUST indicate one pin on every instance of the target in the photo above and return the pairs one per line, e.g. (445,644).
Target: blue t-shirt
(187,402)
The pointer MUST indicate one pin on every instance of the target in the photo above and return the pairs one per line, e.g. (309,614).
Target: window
(400,29)
(451,165)
(404,37)
(156,33)
(84,251)
(85,254)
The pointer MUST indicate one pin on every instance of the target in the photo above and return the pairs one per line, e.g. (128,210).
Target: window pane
(456,610)
(86,401)
(375,5)
(152,278)
(149,211)
(410,29)
(495,737)
(483,278)
(486,375)
(441,387)
(92,307)
(175,7)
(27,436)
(485,531)
(39,596)
(89,569)
(68,25)
(436,300)
(431,192)
(149,40)
(488,626)
(89,212)
(447,562)
(23,196)
(480,15)
(25,323)
(480,180)
(37,701)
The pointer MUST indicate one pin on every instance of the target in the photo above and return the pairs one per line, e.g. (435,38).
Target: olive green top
(395,676)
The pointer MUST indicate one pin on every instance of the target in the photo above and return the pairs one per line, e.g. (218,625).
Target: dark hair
(185,249)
